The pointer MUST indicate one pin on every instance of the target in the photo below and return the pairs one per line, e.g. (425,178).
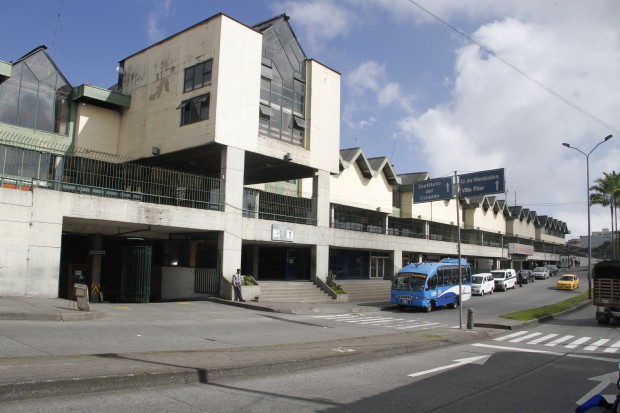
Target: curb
(62,316)
(536,321)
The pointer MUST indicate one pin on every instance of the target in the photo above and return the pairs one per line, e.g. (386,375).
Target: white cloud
(500,118)
(371,77)
(161,11)
(319,20)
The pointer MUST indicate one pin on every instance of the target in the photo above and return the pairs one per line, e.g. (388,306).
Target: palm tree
(606,192)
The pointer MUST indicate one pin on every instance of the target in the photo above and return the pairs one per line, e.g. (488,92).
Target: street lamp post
(588,199)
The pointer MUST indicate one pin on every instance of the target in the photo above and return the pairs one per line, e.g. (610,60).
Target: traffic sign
(482,183)
(432,190)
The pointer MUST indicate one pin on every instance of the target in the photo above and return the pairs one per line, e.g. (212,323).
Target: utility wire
(516,69)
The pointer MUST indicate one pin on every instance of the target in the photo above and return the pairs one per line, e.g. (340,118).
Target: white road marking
(559,341)
(577,342)
(520,339)
(541,339)
(596,344)
(519,333)
(612,348)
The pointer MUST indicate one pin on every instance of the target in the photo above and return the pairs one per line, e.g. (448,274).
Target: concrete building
(218,148)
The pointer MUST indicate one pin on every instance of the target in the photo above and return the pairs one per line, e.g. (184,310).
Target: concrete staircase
(366,290)
(292,292)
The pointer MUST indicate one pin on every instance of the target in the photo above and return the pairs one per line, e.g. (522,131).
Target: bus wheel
(428,308)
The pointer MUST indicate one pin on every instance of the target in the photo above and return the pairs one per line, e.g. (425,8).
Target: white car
(541,273)
(482,283)
(504,279)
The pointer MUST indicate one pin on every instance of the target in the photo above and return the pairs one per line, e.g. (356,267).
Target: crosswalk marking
(596,344)
(541,339)
(518,333)
(520,339)
(613,348)
(567,341)
(416,326)
(559,341)
(379,321)
(575,343)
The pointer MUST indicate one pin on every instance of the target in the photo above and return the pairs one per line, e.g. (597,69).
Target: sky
(440,86)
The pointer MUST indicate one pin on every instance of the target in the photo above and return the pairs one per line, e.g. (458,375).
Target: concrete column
(95,244)
(320,197)
(229,242)
(397,261)
(320,261)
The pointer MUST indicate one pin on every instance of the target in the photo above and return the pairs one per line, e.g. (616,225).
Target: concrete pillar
(229,241)
(320,198)
(397,261)
(95,244)
(320,261)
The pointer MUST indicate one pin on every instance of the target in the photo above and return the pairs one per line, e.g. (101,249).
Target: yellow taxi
(568,282)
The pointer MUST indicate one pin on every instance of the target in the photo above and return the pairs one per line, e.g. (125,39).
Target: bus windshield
(409,282)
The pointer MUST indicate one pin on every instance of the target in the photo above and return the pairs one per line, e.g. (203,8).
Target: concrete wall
(323,116)
(154,79)
(351,188)
(31,225)
(97,129)
(30,234)
(438,211)
(484,220)
(178,283)
(521,228)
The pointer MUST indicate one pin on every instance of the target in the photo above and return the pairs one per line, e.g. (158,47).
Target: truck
(606,290)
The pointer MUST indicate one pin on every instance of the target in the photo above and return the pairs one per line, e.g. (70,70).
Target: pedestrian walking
(236,282)
(520,279)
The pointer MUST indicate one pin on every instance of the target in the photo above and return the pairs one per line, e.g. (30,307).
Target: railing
(127,180)
(357,219)
(206,280)
(285,206)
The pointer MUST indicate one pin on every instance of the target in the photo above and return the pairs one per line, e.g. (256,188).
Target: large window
(36,95)
(195,109)
(283,87)
(198,76)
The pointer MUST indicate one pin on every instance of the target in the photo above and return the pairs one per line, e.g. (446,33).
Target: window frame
(198,75)
(195,109)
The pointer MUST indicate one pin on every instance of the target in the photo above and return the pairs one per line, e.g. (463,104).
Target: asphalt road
(548,368)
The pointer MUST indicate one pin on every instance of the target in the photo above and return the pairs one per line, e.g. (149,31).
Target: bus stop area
(51,373)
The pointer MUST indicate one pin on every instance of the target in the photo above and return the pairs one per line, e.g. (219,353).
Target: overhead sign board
(482,183)
(432,190)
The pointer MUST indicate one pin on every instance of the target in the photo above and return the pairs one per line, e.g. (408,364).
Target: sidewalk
(48,376)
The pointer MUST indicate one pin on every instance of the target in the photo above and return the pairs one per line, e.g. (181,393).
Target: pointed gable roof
(411,177)
(382,164)
(370,167)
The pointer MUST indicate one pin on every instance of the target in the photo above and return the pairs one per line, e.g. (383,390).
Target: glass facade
(36,96)
(283,86)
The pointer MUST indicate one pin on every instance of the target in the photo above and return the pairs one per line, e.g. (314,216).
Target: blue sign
(482,183)
(432,190)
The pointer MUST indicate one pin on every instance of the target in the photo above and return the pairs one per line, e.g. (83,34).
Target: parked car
(541,273)
(482,283)
(504,279)
(567,282)
(553,270)
(526,276)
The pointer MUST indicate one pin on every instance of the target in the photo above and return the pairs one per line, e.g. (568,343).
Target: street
(548,368)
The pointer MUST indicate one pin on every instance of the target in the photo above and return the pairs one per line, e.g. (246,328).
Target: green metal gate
(136,275)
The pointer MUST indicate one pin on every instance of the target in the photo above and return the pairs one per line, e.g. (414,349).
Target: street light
(588,199)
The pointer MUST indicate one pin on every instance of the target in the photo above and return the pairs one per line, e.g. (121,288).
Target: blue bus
(429,285)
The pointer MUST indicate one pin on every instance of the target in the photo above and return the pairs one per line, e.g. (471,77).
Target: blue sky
(413,88)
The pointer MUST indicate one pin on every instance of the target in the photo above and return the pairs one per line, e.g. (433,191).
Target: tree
(606,192)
